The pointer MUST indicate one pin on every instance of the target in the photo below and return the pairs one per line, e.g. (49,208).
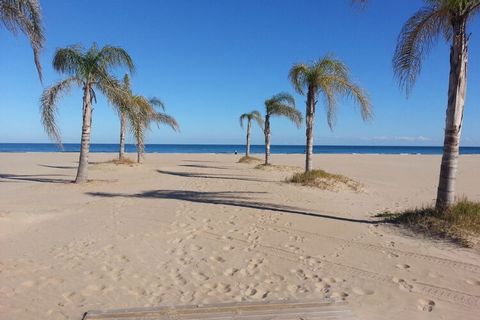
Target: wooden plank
(281,310)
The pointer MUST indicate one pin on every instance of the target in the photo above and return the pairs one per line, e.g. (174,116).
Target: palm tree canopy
(84,68)
(143,111)
(330,77)
(25,16)
(422,31)
(283,104)
(253,115)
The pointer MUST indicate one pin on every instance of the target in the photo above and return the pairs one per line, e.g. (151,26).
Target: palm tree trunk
(123,120)
(247,148)
(82,172)
(457,87)
(310,114)
(139,152)
(267,139)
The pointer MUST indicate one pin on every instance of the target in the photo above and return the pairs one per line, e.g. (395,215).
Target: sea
(231,148)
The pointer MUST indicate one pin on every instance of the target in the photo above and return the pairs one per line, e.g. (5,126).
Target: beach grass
(324,180)
(122,162)
(249,159)
(461,223)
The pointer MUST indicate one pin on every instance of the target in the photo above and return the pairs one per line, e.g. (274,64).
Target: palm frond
(346,88)
(283,104)
(112,57)
(48,106)
(298,77)
(257,117)
(243,117)
(164,119)
(25,15)
(69,60)
(415,40)
(156,102)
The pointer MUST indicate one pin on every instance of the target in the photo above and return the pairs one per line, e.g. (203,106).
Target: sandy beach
(197,229)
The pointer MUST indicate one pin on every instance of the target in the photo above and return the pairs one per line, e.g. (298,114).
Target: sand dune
(189,229)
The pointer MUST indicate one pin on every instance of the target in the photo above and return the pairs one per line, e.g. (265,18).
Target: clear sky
(212,60)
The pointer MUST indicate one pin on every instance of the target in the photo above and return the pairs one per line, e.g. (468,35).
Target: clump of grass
(124,161)
(324,180)
(249,159)
(460,223)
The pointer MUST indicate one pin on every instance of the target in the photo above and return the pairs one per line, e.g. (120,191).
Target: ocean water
(230,148)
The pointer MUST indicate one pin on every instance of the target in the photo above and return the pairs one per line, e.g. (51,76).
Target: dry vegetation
(461,223)
(123,162)
(249,159)
(324,180)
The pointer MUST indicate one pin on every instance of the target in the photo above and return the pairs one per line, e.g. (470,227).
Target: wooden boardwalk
(285,310)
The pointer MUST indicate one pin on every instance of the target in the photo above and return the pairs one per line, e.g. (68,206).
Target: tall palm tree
(142,113)
(25,16)
(329,77)
(124,107)
(257,117)
(450,19)
(89,69)
(282,104)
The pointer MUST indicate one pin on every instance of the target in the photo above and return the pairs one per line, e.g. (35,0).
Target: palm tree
(141,114)
(328,77)
(253,115)
(124,107)
(90,70)
(282,104)
(450,19)
(25,16)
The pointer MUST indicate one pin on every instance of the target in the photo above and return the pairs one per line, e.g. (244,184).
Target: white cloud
(398,138)
(409,138)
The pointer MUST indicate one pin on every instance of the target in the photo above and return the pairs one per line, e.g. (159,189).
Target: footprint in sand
(473,282)
(425,305)
(339,295)
(217,259)
(403,266)
(322,287)
(402,284)
(200,276)
(362,292)
(230,272)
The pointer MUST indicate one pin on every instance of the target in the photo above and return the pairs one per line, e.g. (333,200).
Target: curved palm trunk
(310,114)
(82,172)
(456,101)
(267,139)
(123,120)
(247,147)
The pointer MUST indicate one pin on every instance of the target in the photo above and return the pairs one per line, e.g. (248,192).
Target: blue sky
(212,60)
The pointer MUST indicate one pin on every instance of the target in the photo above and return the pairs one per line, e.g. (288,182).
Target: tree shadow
(34,178)
(229,198)
(220,176)
(201,166)
(57,167)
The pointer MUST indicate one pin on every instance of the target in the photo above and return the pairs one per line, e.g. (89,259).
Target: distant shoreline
(230,149)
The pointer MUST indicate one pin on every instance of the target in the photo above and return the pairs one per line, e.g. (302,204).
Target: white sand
(189,229)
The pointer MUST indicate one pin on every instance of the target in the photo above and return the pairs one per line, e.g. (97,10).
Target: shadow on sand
(228,198)
(34,178)
(58,167)
(212,176)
